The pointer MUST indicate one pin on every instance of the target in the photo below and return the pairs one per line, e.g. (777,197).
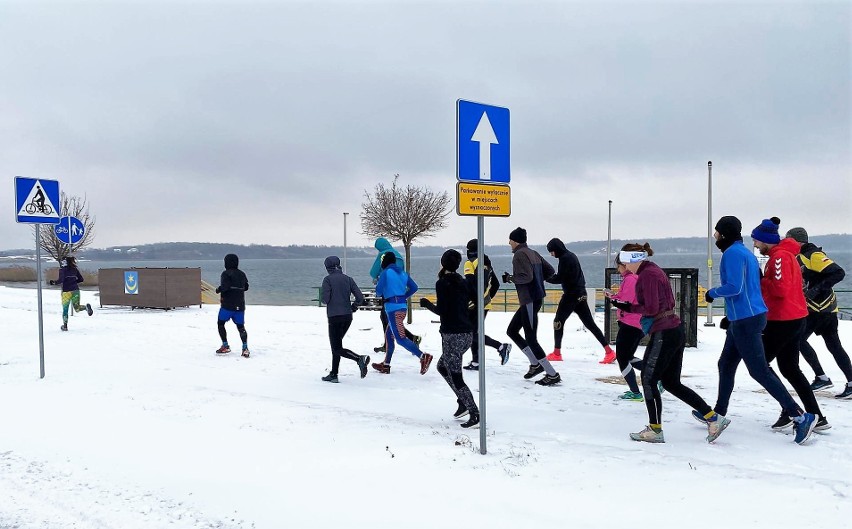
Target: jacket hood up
(557,246)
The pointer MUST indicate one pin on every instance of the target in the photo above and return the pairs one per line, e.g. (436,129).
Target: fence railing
(506,300)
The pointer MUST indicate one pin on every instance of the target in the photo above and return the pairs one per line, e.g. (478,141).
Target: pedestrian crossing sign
(36,200)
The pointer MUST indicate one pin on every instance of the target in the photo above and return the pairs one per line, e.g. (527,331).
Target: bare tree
(404,214)
(69,206)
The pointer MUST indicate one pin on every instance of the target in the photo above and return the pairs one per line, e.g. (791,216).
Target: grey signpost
(483,174)
(37,202)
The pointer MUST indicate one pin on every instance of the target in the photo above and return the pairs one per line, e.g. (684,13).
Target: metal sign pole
(480,324)
(709,322)
(40,318)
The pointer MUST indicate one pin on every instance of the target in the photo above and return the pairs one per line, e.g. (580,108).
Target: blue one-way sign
(482,142)
(36,200)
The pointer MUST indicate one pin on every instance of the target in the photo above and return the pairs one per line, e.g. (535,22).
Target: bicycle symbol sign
(69,230)
(36,200)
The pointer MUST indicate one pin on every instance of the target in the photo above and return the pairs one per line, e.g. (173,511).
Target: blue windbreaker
(396,287)
(740,277)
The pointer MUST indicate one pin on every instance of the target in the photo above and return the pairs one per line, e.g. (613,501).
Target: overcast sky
(262,122)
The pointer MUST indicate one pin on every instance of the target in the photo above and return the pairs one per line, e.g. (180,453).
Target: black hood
(232,262)
(557,246)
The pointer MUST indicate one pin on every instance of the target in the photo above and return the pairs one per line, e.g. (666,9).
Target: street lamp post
(608,236)
(709,322)
(345,215)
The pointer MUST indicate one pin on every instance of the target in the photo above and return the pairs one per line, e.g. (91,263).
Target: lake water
(296,281)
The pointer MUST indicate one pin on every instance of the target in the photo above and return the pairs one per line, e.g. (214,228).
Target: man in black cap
(528,273)
(490,288)
(820,274)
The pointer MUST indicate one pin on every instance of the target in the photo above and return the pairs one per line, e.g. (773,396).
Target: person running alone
(574,300)
(819,275)
(663,359)
(383,246)
(630,331)
(396,286)
(70,279)
(781,286)
(528,273)
(337,292)
(452,297)
(232,288)
(490,288)
(739,274)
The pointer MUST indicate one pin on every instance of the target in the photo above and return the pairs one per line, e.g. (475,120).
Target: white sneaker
(648,435)
(715,428)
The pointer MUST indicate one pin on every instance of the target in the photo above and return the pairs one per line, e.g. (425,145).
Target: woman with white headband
(630,331)
(663,358)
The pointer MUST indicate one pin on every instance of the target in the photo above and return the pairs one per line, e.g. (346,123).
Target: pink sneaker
(609,356)
(555,356)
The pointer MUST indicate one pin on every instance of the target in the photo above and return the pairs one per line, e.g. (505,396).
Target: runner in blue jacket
(395,286)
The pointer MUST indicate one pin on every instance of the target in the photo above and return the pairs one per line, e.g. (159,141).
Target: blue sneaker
(805,428)
(629,395)
(698,417)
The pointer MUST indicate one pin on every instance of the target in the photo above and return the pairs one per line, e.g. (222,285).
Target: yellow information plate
(488,200)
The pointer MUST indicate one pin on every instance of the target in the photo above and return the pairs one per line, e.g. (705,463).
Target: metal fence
(684,282)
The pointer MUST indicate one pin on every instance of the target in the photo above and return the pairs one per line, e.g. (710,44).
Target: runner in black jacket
(490,289)
(453,297)
(570,275)
(232,288)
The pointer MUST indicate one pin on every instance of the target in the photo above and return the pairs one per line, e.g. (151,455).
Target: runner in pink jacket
(630,332)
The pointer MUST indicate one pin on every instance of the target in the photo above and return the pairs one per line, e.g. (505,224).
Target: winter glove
(375,280)
(724,323)
(218,290)
(51,282)
(424,302)
(623,305)
(708,298)
(508,278)
(354,307)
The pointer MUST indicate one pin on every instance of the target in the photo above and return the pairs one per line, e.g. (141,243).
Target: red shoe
(425,362)
(609,357)
(555,356)
(381,367)
(223,350)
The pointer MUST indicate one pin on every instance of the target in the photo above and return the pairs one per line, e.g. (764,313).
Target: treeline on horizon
(201,250)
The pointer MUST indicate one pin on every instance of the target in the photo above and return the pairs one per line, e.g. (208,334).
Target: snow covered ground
(138,424)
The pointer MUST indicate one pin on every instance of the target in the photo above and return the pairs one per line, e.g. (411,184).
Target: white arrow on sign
(484,135)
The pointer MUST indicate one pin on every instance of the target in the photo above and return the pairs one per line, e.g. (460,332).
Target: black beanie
(232,262)
(729,227)
(451,260)
(518,235)
(388,259)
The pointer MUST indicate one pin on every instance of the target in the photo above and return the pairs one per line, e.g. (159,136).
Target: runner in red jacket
(781,287)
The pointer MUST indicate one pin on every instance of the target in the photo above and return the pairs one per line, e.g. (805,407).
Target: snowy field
(138,424)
